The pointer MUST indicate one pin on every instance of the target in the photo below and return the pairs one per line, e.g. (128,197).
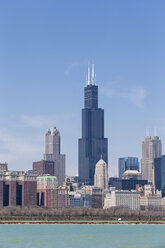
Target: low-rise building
(18,189)
(47,192)
(148,201)
(80,200)
(130,199)
(63,197)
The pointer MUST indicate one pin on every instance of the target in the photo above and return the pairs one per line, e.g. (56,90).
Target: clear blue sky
(45,47)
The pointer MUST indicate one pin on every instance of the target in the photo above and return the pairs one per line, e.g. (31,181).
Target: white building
(101,175)
(123,198)
(154,201)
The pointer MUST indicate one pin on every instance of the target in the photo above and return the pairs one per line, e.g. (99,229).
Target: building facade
(47,193)
(43,167)
(151,149)
(157,172)
(127,163)
(130,199)
(101,175)
(92,144)
(52,153)
(18,189)
(163,175)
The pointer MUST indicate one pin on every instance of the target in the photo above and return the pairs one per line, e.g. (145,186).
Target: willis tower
(92,145)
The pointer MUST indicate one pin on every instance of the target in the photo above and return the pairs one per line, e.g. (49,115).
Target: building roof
(101,162)
(131,172)
(47,178)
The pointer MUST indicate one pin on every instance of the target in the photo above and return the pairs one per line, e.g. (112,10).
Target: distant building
(80,200)
(115,182)
(163,175)
(148,201)
(126,184)
(151,149)
(101,175)
(97,197)
(127,163)
(157,172)
(52,153)
(3,167)
(63,197)
(130,199)
(132,174)
(47,193)
(130,184)
(75,199)
(18,189)
(92,144)
(43,167)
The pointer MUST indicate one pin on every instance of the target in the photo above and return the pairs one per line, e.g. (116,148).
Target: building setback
(92,144)
(43,167)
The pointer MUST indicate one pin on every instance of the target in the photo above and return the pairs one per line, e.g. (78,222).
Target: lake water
(82,236)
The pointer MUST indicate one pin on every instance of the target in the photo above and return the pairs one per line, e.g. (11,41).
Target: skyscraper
(151,149)
(127,163)
(52,152)
(159,166)
(101,175)
(92,144)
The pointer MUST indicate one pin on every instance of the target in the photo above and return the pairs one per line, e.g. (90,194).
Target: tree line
(113,213)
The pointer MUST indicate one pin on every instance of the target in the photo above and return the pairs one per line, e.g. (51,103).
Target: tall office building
(92,144)
(151,149)
(163,175)
(52,153)
(159,173)
(127,163)
(101,175)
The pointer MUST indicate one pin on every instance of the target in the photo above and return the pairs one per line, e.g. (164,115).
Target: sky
(45,47)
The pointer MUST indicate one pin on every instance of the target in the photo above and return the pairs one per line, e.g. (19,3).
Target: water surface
(82,236)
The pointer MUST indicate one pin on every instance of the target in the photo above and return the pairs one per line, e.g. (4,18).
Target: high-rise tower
(52,152)
(151,149)
(92,144)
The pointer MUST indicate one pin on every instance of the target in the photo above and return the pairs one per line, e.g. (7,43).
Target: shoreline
(84,222)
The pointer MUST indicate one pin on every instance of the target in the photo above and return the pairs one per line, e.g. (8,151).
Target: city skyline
(43,66)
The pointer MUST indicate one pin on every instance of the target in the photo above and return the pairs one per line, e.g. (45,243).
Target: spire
(147,132)
(155,132)
(93,75)
(89,80)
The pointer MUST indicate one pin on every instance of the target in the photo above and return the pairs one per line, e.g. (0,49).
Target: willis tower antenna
(92,144)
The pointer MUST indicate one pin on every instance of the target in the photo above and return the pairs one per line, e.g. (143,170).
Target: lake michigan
(82,236)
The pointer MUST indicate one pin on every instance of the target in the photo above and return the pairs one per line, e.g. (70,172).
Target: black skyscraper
(92,144)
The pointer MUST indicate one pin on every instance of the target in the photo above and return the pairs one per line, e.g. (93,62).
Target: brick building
(43,167)
(63,197)
(47,192)
(18,189)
